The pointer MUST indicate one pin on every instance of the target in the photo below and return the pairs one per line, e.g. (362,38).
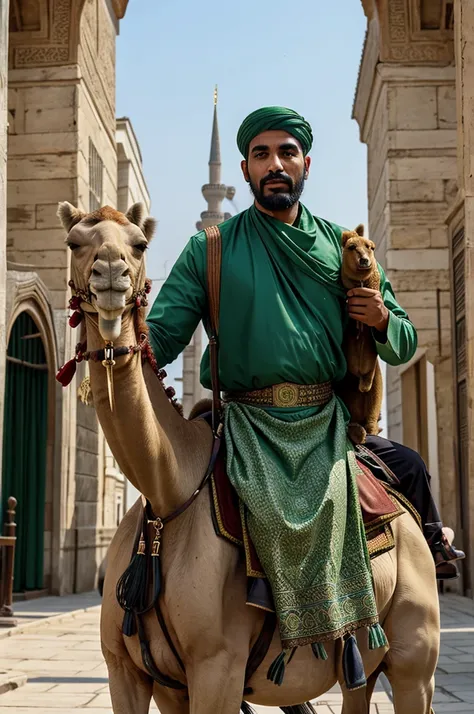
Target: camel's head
(358,257)
(108,260)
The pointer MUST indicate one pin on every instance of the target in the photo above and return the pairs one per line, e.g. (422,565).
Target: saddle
(378,502)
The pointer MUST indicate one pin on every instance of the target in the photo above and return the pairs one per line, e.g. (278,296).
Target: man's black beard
(278,201)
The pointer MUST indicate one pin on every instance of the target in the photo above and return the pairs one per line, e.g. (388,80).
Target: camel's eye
(142,247)
(73,246)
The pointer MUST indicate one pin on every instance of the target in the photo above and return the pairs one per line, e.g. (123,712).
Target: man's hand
(367,306)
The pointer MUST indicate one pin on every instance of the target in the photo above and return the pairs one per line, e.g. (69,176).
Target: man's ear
(360,229)
(245,171)
(307,164)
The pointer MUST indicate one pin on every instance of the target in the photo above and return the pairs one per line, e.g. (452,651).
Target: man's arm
(180,304)
(394,334)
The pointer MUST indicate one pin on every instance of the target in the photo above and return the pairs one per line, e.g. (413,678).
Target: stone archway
(25,447)
(29,445)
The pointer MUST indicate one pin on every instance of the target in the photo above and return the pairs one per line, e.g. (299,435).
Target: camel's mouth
(110,305)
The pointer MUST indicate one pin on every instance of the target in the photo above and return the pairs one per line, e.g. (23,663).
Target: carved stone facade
(62,146)
(405,106)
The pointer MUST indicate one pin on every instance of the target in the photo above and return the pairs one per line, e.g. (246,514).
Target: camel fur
(362,388)
(203,600)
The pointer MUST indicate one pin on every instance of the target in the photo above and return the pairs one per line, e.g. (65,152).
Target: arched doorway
(24,447)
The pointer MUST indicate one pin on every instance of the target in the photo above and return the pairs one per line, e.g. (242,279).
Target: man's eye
(289,153)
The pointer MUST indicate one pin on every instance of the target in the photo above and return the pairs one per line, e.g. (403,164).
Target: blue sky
(304,55)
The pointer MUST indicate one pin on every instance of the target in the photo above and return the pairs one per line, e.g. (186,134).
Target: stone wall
(61,104)
(406,109)
(132,187)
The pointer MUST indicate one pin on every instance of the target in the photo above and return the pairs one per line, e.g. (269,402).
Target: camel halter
(107,355)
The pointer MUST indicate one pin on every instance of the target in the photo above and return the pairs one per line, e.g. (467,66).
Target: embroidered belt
(285,394)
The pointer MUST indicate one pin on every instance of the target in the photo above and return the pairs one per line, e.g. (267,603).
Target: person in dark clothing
(414,483)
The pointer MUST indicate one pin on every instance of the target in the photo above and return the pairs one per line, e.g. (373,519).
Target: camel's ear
(69,215)
(360,229)
(136,214)
(149,228)
(345,237)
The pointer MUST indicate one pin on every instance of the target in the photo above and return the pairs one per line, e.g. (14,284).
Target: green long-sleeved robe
(282,317)
(279,322)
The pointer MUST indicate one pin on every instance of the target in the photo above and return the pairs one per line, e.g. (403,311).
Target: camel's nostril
(126,273)
(95,272)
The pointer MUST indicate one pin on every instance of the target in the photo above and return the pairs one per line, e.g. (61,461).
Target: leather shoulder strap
(214,261)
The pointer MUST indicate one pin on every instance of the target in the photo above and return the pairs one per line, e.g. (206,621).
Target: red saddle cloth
(378,509)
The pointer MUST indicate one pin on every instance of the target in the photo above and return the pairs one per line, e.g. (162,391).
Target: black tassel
(299,709)
(352,665)
(132,585)
(276,671)
(129,625)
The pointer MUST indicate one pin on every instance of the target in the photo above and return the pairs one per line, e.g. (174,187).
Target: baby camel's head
(358,257)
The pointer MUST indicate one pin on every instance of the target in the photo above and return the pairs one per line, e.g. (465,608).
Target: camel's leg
(355,701)
(130,689)
(216,684)
(412,697)
(170,701)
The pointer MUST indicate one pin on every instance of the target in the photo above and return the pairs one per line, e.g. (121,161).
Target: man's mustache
(284,178)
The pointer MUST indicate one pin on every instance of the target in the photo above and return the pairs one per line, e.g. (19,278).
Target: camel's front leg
(130,689)
(216,684)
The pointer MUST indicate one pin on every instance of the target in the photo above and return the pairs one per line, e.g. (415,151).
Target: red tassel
(67,372)
(75,319)
(75,302)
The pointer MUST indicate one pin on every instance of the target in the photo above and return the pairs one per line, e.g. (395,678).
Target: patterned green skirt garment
(297,481)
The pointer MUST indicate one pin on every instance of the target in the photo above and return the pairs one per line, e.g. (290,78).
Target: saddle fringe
(299,709)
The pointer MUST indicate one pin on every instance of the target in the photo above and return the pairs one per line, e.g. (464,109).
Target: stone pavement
(66,672)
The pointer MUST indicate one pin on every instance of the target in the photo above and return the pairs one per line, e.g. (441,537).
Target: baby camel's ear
(360,229)
(345,237)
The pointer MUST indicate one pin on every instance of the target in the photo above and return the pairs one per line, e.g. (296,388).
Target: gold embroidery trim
(220,522)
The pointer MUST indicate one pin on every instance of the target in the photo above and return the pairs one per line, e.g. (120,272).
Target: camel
(203,602)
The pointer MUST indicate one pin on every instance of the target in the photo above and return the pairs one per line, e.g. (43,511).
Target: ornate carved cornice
(405,38)
(44,34)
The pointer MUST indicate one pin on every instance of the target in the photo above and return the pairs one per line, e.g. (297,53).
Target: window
(96,173)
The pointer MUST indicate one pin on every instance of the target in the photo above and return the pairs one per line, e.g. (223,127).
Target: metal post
(8,566)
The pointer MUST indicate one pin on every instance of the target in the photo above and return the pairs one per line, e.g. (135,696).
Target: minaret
(214,193)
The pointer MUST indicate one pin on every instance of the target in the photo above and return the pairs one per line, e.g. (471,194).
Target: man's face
(276,170)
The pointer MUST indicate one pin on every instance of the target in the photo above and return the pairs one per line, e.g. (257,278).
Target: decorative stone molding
(404,39)
(51,35)
(27,292)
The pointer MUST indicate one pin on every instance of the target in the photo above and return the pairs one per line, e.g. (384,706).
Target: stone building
(413,104)
(214,193)
(64,143)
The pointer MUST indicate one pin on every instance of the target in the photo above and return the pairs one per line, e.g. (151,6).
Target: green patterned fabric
(297,479)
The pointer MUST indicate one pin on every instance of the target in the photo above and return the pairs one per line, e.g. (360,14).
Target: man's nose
(275,164)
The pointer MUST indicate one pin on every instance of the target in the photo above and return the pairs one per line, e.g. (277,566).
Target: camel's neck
(162,454)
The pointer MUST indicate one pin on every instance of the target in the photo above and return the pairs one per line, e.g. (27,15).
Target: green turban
(274,118)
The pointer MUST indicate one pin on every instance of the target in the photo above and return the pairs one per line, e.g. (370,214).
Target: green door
(24,448)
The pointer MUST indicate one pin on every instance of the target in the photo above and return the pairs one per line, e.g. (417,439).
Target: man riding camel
(283,310)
